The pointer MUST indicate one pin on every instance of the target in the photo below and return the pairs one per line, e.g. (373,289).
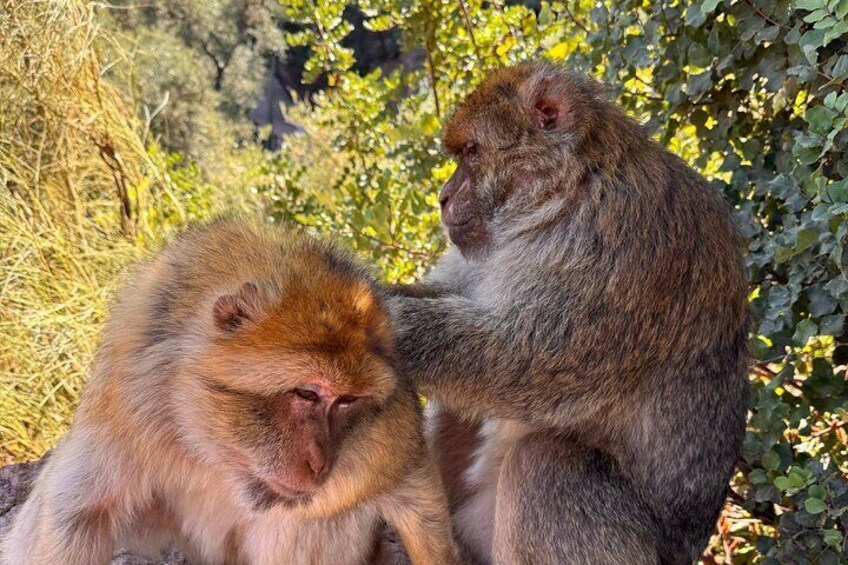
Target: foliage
(197,67)
(751,92)
(81,194)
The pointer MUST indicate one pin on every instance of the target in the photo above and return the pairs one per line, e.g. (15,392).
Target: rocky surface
(15,484)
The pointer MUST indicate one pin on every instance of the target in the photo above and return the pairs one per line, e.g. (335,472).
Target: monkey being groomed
(585,338)
(242,407)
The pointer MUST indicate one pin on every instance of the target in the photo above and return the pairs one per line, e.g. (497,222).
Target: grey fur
(607,314)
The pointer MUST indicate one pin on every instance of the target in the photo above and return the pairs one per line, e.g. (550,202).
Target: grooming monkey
(244,408)
(585,338)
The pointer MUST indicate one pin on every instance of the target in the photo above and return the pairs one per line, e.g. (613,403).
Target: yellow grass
(76,183)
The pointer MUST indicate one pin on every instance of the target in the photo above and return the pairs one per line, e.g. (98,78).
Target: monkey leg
(418,511)
(562,503)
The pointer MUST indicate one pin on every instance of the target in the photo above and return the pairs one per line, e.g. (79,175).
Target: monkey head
(285,378)
(511,138)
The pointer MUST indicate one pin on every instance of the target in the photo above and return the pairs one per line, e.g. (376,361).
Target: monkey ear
(550,113)
(232,311)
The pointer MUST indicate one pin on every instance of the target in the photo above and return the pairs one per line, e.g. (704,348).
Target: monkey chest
(476,518)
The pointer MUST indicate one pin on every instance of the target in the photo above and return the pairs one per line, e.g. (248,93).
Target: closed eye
(345,401)
(306,394)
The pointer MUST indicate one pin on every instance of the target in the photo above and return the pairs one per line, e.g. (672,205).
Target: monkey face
(286,382)
(510,138)
(284,446)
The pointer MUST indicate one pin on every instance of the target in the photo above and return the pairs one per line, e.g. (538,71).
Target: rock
(172,557)
(15,485)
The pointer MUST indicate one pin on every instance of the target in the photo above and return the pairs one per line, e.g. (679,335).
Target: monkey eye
(345,401)
(307,394)
(469,149)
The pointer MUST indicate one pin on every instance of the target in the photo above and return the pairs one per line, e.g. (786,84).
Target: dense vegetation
(118,126)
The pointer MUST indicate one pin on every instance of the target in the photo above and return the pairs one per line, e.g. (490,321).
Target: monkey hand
(405,311)
(435,336)
(416,290)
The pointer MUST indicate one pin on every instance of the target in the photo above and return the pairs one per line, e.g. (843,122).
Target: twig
(834,425)
(395,246)
(470,30)
(573,19)
(432,72)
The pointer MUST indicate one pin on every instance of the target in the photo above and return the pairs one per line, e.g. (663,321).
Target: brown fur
(592,315)
(243,406)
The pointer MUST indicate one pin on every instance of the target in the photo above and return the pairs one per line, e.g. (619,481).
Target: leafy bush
(751,92)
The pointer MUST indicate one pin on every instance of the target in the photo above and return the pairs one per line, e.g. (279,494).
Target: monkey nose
(444,196)
(316,460)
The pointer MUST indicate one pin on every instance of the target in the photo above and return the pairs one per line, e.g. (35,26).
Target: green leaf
(805,238)
(797,478)
(816,16)
(820,118)
(699,55)
(830,100)
(695,17)
(771,460)
(544,18)
(838,192)
(817,491)
(768,34)
(824,25)
(814,505)
(804,331)
(783,483)
(833,538)
(699,84)
(840,69)
(810,42)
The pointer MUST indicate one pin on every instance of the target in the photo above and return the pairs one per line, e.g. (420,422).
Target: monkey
(244,406)
(584,339)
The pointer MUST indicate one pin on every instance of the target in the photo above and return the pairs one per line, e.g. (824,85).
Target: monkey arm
(417,290)
(478,363)
(418,510)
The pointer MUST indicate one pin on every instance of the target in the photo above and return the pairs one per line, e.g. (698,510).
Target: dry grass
(83,191)
(72,168)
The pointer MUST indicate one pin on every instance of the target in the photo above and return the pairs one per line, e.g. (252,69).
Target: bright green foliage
(753,93)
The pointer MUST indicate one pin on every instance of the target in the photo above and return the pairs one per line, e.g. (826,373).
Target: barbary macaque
(585,337)
(243,407)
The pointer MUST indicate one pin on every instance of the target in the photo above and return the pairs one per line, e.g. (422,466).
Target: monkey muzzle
(461,213)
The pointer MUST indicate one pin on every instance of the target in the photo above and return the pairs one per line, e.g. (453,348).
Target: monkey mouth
(456,224)
(466,233)
(267,493)
(458,230)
